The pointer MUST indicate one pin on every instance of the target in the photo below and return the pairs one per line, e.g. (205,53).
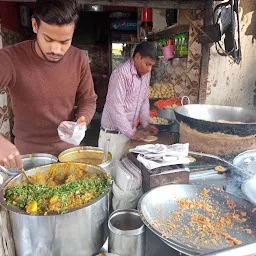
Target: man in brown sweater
(44,78)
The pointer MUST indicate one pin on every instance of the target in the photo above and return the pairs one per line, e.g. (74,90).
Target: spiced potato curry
(57,189)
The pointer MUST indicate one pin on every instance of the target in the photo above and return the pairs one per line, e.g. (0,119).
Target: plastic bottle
(176,41)
(185,45)
(179,45)
(182,44)
(159,47)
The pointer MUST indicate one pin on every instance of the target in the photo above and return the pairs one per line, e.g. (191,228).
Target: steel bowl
(39,159)
(249,190)
(167,113)
(31,161)
(247,161)
(88,155)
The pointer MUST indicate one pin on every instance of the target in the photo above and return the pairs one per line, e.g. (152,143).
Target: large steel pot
(217,119)
(92,155)
(167,113)
(81,231)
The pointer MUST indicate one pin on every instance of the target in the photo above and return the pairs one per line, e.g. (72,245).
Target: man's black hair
(57,12)
(146,49)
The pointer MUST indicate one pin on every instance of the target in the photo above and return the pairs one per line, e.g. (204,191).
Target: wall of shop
(4,120)
(9,14)
(92,35)
(183,73)
(10,22)
(159,19)
(10,34)
(229,83)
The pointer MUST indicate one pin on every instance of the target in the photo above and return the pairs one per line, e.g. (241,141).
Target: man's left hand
(140,135)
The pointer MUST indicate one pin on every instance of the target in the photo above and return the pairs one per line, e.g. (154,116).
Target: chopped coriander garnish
(70,195)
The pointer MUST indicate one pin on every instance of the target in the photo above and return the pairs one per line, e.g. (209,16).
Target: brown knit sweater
(43,95)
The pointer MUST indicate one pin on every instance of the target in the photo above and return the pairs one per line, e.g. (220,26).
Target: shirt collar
(133,69)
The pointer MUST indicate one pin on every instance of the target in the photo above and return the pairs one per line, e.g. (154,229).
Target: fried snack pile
(203,222)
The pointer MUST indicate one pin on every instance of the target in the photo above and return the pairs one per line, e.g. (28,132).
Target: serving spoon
(217,158)
(9,173)
(24,173)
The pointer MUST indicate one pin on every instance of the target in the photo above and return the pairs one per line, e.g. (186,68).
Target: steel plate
(157,206)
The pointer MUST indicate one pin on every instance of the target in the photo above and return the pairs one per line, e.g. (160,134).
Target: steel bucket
(31,161)
(81,231)
(127,233)
(39,159)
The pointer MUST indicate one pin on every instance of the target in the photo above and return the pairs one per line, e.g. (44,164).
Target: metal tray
(157,205)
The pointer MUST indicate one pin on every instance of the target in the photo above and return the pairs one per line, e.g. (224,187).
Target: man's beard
(45,55)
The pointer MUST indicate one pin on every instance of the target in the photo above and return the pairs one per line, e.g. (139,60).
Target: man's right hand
(9,155)
(140,135)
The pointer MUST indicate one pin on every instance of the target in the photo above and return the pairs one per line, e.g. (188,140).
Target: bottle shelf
(167,32)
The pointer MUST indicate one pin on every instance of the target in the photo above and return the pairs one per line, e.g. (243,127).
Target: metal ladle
(106,149)
(22,171)
(217,158)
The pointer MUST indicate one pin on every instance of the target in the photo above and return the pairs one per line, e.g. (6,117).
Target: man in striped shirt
(128,100)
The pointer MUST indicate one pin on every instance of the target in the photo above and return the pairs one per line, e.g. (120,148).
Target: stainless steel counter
(230,183)
(154,246)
